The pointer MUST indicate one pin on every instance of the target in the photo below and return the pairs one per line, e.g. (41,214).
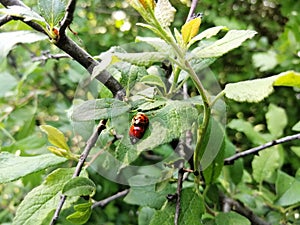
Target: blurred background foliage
(40,92)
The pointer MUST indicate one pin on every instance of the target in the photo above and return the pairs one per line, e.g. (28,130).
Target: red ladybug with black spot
(139,125)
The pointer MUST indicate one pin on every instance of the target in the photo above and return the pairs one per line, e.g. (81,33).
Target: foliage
(168,61)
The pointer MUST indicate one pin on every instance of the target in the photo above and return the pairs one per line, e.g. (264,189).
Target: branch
(236,206)
(5,19)
(192,10)
(45,56)
(178,193)
(230,160)
(89,145)
(77,53)
(67,20)
(105,201)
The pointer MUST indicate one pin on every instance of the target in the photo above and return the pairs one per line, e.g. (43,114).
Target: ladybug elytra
(139,124)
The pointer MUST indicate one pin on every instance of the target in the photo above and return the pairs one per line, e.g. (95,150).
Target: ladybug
(139,124)
(140,120)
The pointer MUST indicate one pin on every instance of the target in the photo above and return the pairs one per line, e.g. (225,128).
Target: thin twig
(89,145)
(67,20)
(230,160)
(105,201)
(178,193)
(192,10)
(231,204)
(45,57)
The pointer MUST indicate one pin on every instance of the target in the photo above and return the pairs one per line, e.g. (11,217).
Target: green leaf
(13,167)
(79,186)
(258,89)
(167,123)
(158,44)
(265,164)
(276,120)
(232,40)
(55,137)
(296,127)
(296,150)
(153,80)
(235,171)
(82,213)
(23,12)
(164,12)
(146,195)
(213,155)
(9,39)
(291,196)
(7,81)
(52,10)
(142,58)
(98,109)
(231,218)
(265,61)
(145,215)
(283,183)
(39,204)
(192,207)
(208,33)
(247,128)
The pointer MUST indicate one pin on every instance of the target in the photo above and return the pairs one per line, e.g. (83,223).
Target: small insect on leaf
(190,29)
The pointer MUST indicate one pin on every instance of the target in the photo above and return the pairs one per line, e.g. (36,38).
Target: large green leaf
(208,33)
(97,109)
(158,44)
(52,10)
(9,39)
(13,167)
(258,89)
(232,40)
(167,123)
(145,215)
(142,58)
(291,196)
(231,218)
(39,204)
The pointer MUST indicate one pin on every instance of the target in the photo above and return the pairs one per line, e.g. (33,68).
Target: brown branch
(89,145)
(5,19)
(231,204)
(68,18)
(105,201)
(178,193)
(230,160)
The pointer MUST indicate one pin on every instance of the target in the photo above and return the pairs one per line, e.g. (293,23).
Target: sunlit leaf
(258,89)
(208,33)
(55,137)
(82,213)
(265,61)
(231,218)
(190,29)
(232,40)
